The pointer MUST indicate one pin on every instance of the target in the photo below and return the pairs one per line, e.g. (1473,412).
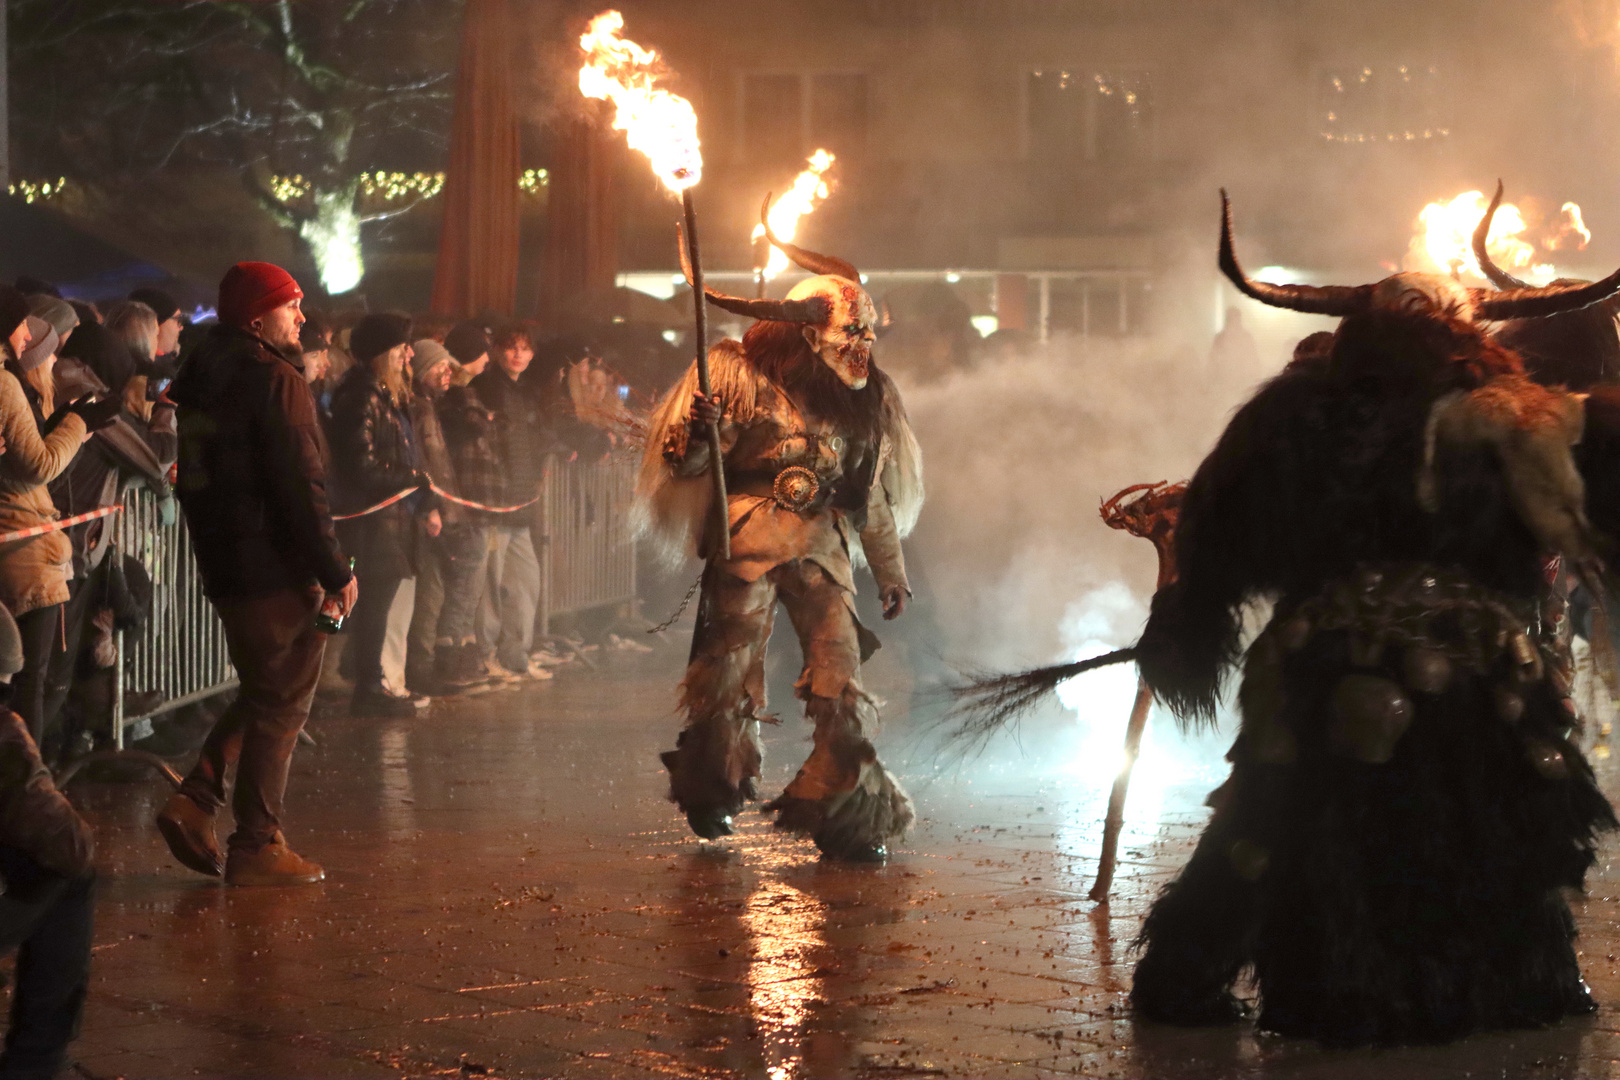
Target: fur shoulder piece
(902,471)
(670,508)
(1532,430)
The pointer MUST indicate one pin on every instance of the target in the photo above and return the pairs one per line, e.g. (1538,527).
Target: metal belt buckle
(795,488)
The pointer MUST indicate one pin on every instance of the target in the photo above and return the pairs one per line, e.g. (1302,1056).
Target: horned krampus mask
(1403,291)
(838,318)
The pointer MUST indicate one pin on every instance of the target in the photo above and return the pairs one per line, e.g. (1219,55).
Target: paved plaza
(509,895)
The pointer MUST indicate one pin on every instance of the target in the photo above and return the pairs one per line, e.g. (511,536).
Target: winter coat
(374,456)
(523,433)
(252,470)
(435,453)
(35,817)
(33,573)
(470,438)
(127,449)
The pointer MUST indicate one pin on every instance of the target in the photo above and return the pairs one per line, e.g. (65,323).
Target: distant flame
(1444,241)
(660,124)
(1572,230)
(809,188)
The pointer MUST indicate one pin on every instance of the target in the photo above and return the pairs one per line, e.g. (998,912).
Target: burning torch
(808,189)
(662,126)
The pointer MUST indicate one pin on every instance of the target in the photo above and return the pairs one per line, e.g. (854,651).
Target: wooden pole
(700,306)
(1116,798)
(1150,511)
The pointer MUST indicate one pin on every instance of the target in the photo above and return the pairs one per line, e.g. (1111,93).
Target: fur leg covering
(843,797)
(1199,935)
(714,768)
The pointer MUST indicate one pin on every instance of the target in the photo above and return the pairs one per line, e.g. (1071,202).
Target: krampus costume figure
(1576,349)
(1405,802)
(821,467)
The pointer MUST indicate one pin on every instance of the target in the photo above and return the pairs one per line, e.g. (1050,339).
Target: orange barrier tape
(57,526)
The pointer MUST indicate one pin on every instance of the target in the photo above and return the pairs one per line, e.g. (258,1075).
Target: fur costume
(820,478)
(1406,798)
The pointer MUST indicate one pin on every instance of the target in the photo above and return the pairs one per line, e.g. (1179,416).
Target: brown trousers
(277,652)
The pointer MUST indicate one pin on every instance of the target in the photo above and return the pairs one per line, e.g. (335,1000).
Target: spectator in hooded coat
(127,450)
(40,443)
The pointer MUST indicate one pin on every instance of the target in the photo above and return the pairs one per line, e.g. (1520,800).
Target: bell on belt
(795,488)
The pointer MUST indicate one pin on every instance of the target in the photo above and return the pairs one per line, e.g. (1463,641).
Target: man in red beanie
(252,484)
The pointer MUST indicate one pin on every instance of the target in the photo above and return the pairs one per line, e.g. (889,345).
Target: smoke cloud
(1011,561)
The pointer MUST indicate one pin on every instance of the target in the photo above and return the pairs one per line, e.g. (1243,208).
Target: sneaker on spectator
(418,701)
(548,658)
(498,673)
(375,701)
(538,671)
(459,667)
(625,644)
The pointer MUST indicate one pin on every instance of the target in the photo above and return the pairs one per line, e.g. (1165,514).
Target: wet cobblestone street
(509,894)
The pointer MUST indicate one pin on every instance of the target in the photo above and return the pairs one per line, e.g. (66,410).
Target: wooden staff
(1150,511)
(700,306)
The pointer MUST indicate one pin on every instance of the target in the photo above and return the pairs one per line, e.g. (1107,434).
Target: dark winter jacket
(36,818)
(373,457)
(470,438)
(523,433)
(252,470)
(434,453)
(128,449)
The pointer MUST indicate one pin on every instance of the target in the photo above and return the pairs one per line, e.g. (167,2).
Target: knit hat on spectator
(429,355)
(251,289)
(13,310)
(375,334)
(164,306)
(54,310)
(42,342)
(467,342)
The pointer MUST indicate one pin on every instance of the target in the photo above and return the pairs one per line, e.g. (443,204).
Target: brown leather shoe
(188,829)
(273,864)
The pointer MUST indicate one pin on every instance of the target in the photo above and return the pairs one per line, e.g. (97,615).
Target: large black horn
(813,310)
(1534,303)
(1499,277)
(808,260)
(1340,300)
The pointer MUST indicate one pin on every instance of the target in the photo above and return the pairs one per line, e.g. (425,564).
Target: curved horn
(1499,277)
(1533,303)
(814,310)
(808,260)
(1340,300)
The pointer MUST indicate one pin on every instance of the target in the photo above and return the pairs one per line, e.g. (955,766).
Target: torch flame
(1444,241)
(1572,230)
(660,124)
(809,188)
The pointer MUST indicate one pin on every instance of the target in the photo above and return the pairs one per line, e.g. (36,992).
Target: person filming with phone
(252,484)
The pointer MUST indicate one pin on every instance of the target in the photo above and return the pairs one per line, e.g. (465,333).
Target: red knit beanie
(252,288)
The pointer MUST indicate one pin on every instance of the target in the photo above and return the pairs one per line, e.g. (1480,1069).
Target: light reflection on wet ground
(510,895)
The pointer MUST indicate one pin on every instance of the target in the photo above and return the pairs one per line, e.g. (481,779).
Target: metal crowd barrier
(588,560)
(180,653)
(588,550)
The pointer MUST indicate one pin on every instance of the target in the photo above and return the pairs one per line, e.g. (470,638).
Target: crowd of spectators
(419,453)
(449,591)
